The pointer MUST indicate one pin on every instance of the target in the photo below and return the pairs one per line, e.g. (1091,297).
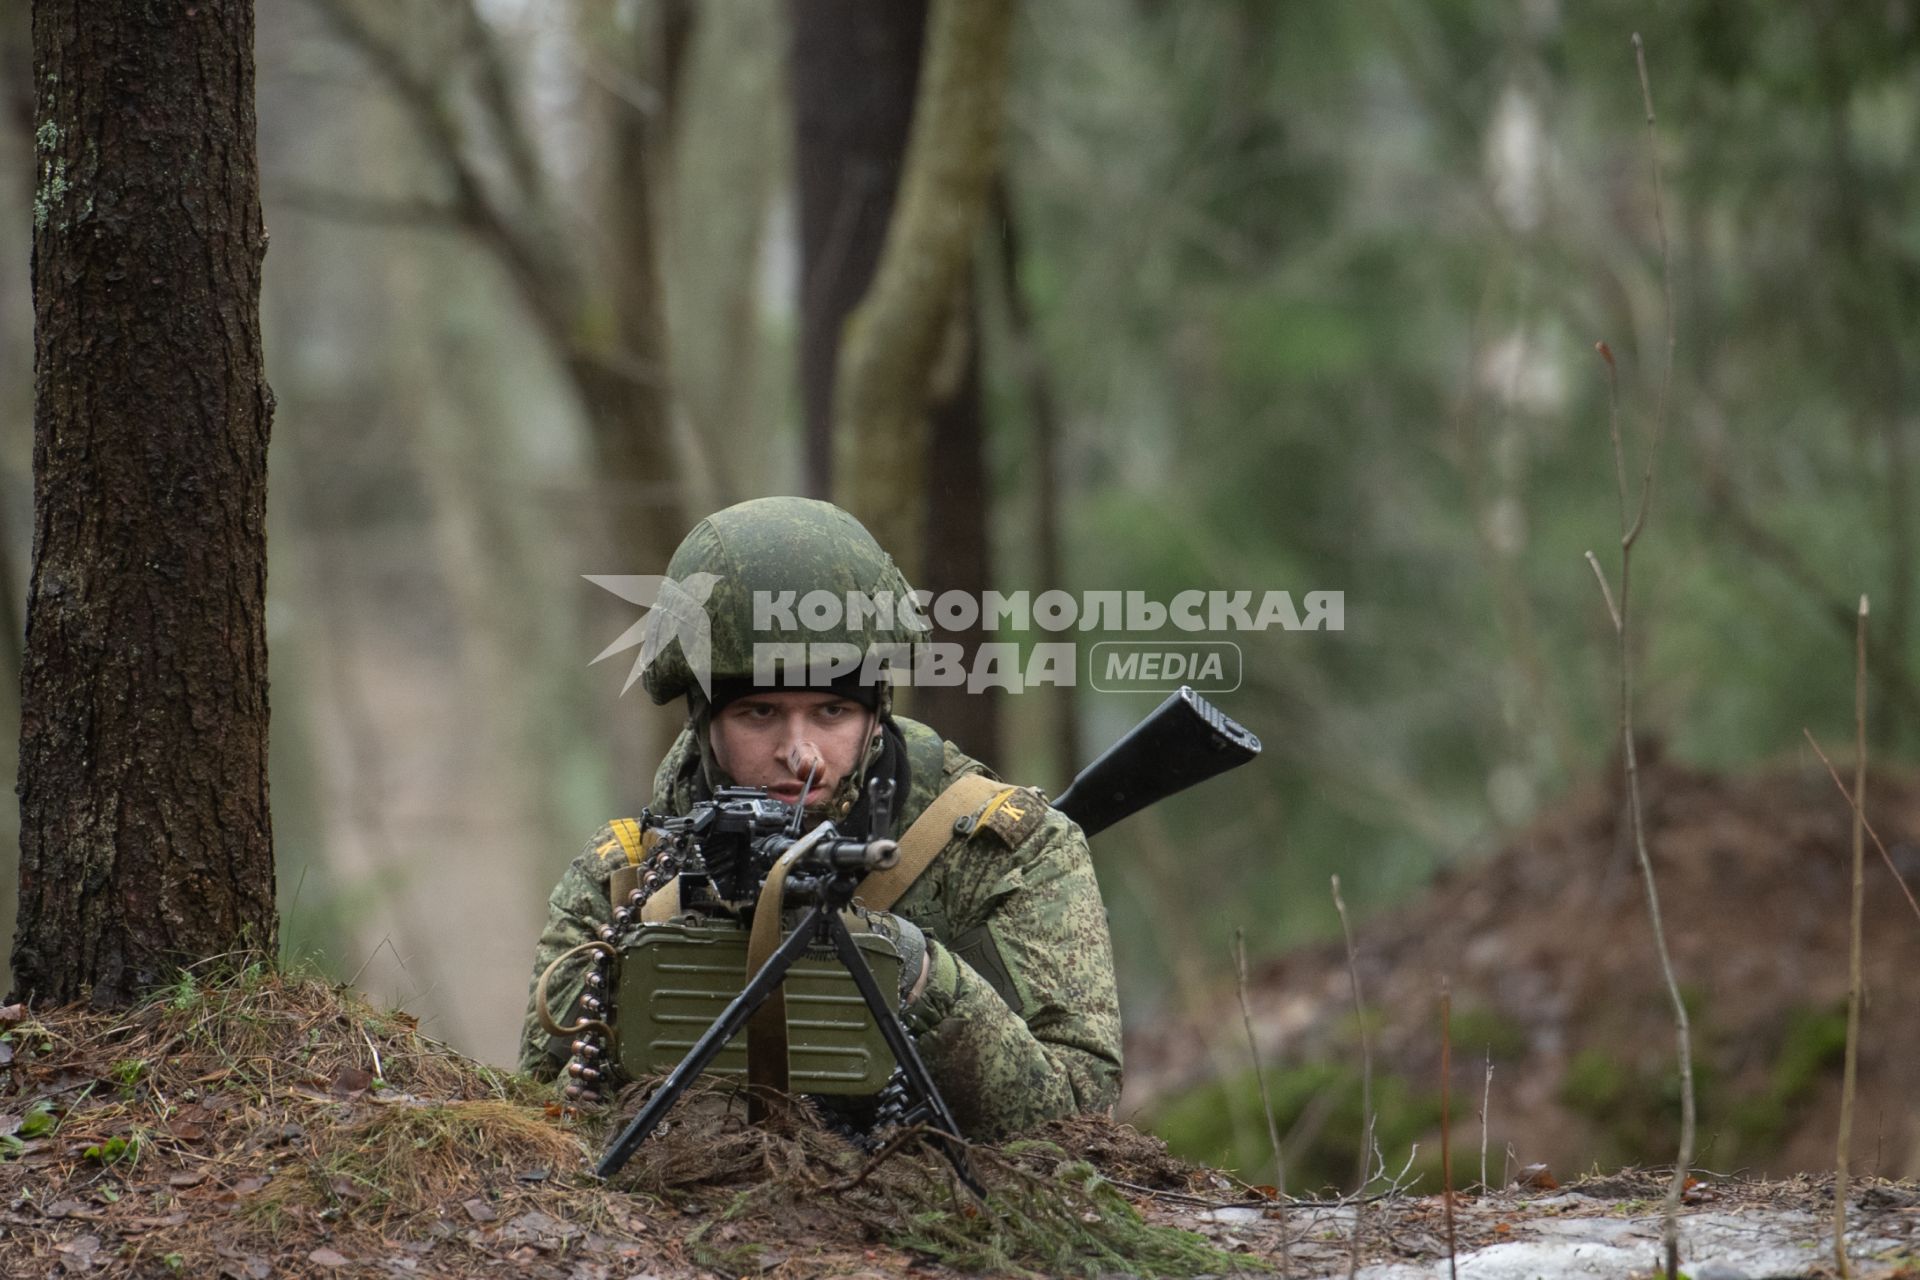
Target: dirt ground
(260,1126)
(1548,951)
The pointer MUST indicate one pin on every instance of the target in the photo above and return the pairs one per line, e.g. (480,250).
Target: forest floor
(1555,986)
(261,1126)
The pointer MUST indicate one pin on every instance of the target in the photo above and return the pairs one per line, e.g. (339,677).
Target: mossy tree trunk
(145,834)
(890,142)
(893,342)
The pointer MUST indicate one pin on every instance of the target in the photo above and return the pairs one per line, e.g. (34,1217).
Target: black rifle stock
(1186,740)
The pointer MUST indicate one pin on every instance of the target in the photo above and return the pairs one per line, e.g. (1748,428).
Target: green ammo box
(677,978)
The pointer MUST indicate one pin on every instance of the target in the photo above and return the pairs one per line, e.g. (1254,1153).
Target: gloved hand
(910,943)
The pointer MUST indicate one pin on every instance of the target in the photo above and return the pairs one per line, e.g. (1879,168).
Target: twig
(1617,607)
(1366,1082)
(1843,1152)
(1446,1117)
(379,1071)
(1486,1105)
(1266,1103)
(1871,833)
(1666,285)
(1599,574)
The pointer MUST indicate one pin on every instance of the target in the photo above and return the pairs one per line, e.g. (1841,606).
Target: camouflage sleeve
(1040,1038)
(576,909)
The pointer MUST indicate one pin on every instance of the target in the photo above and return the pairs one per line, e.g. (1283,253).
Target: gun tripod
(919,1100)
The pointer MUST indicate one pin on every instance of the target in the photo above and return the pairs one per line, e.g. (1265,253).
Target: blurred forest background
(1274,296)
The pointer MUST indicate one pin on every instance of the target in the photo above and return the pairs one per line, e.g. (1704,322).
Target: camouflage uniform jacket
(1018,1023)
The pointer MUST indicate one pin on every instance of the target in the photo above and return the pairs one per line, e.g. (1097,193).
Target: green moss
(1317,1110)
(1636,1109)
(1815,1041)
(1477,1031)
(1595,1084)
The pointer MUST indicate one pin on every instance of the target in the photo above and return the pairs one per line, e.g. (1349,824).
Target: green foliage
(38,1121)
(1480,1032)
(1635,1107)
(114,1150)
(1815,1041)
(1332,325)
(1317,1110)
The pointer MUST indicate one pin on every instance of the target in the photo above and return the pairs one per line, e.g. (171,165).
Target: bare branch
(1366,1083)
(503,115)
(1266,1103)
(426,100)
(1666,287)
(1871,833)
(1629,534)
(1606,593)
(1446,1121)
(1850,1071)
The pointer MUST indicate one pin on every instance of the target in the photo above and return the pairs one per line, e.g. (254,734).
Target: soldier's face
(772,739)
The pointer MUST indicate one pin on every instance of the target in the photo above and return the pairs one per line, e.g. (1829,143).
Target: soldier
(1007,974)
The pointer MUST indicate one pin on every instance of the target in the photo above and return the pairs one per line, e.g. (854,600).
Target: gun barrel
(1184,741)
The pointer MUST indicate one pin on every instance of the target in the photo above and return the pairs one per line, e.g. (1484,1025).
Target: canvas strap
(929,834)
(767,1028)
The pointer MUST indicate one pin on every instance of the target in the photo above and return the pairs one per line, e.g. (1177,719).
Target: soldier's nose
(803,757)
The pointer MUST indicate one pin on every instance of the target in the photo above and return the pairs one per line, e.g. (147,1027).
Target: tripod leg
(918,1082)
(713,1040)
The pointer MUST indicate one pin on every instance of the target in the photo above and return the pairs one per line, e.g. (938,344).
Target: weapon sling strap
(928,835)
(767,1028)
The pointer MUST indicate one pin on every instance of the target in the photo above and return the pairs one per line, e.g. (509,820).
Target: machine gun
(742,855)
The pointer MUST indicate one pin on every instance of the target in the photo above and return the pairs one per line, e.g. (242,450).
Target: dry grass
(250,1123)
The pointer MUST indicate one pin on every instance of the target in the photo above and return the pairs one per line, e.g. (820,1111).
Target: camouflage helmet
(779,550)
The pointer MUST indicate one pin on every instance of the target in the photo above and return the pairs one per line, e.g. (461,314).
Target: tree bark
(854,67)
(891,343)
(1043,423)
(959,550)
(146,839)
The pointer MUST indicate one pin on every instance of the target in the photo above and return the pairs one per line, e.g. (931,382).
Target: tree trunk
(888,353)
(854,68)
(1049,491)
(145,840)
(959,550)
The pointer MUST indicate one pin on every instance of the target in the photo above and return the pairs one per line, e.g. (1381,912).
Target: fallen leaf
(247,1186)
(187,1130)
(351,1080)
(6,1053)
(479,1210)
(188,1178)
(70,1209)
(1503,1229)
(12,1013)
(1537,1177)
(327,1258)
(81,1249)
